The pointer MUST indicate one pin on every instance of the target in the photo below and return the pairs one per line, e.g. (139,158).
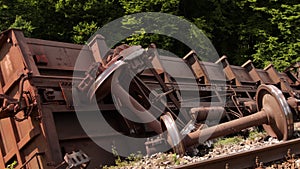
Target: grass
(256,134)
(132,158)
(229,141)
(253,135)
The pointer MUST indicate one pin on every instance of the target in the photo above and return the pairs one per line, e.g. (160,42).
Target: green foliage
(140,37)
(256,134)
(82,18)
(229,141)
(131,159)
(22,24)
(176,159)
(135,157)
(83,31)
(266,31)
(116,154)
(12,165)
(280,45)
(135,6)
(226,23)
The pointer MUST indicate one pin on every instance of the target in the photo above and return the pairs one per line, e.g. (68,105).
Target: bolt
(227,166)
(288,154)
(257,161)
(261,165)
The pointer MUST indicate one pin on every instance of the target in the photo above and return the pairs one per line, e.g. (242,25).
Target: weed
(256,134)
(176,159)
(12,165)
(229,141)
(123,162)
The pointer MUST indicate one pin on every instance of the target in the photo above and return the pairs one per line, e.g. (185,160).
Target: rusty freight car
(42,84)
(36,76)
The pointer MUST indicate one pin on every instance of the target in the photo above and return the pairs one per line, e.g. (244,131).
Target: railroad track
(247,159)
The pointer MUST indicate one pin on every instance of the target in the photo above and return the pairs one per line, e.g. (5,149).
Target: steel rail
(247,159)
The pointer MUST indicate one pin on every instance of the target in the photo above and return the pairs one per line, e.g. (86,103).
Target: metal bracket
(7,106)
(77,159)
(66,89)
(11,106)
(90,76)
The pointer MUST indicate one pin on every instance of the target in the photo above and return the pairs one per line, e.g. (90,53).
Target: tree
(83,17)
(281,44)
(266,31)
(140,37)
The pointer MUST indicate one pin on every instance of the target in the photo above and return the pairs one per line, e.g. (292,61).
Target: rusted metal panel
(212,73)
(58,56)
(264,76)
(242,75)
(24,127)
(236,74)
(2,163)
(176,67)
(99,48)
(12,149)
(11,68)
(6,135)
(66,89)
(21,42)
(48,127)
(272,73)
(75,138)
(33,159)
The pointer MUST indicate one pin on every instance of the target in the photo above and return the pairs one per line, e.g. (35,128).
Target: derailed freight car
(40,128)
(36,77)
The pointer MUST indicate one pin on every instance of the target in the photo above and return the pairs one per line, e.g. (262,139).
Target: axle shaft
(274,114)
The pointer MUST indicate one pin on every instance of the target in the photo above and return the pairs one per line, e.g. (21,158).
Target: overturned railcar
(44,92)
(36,77)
